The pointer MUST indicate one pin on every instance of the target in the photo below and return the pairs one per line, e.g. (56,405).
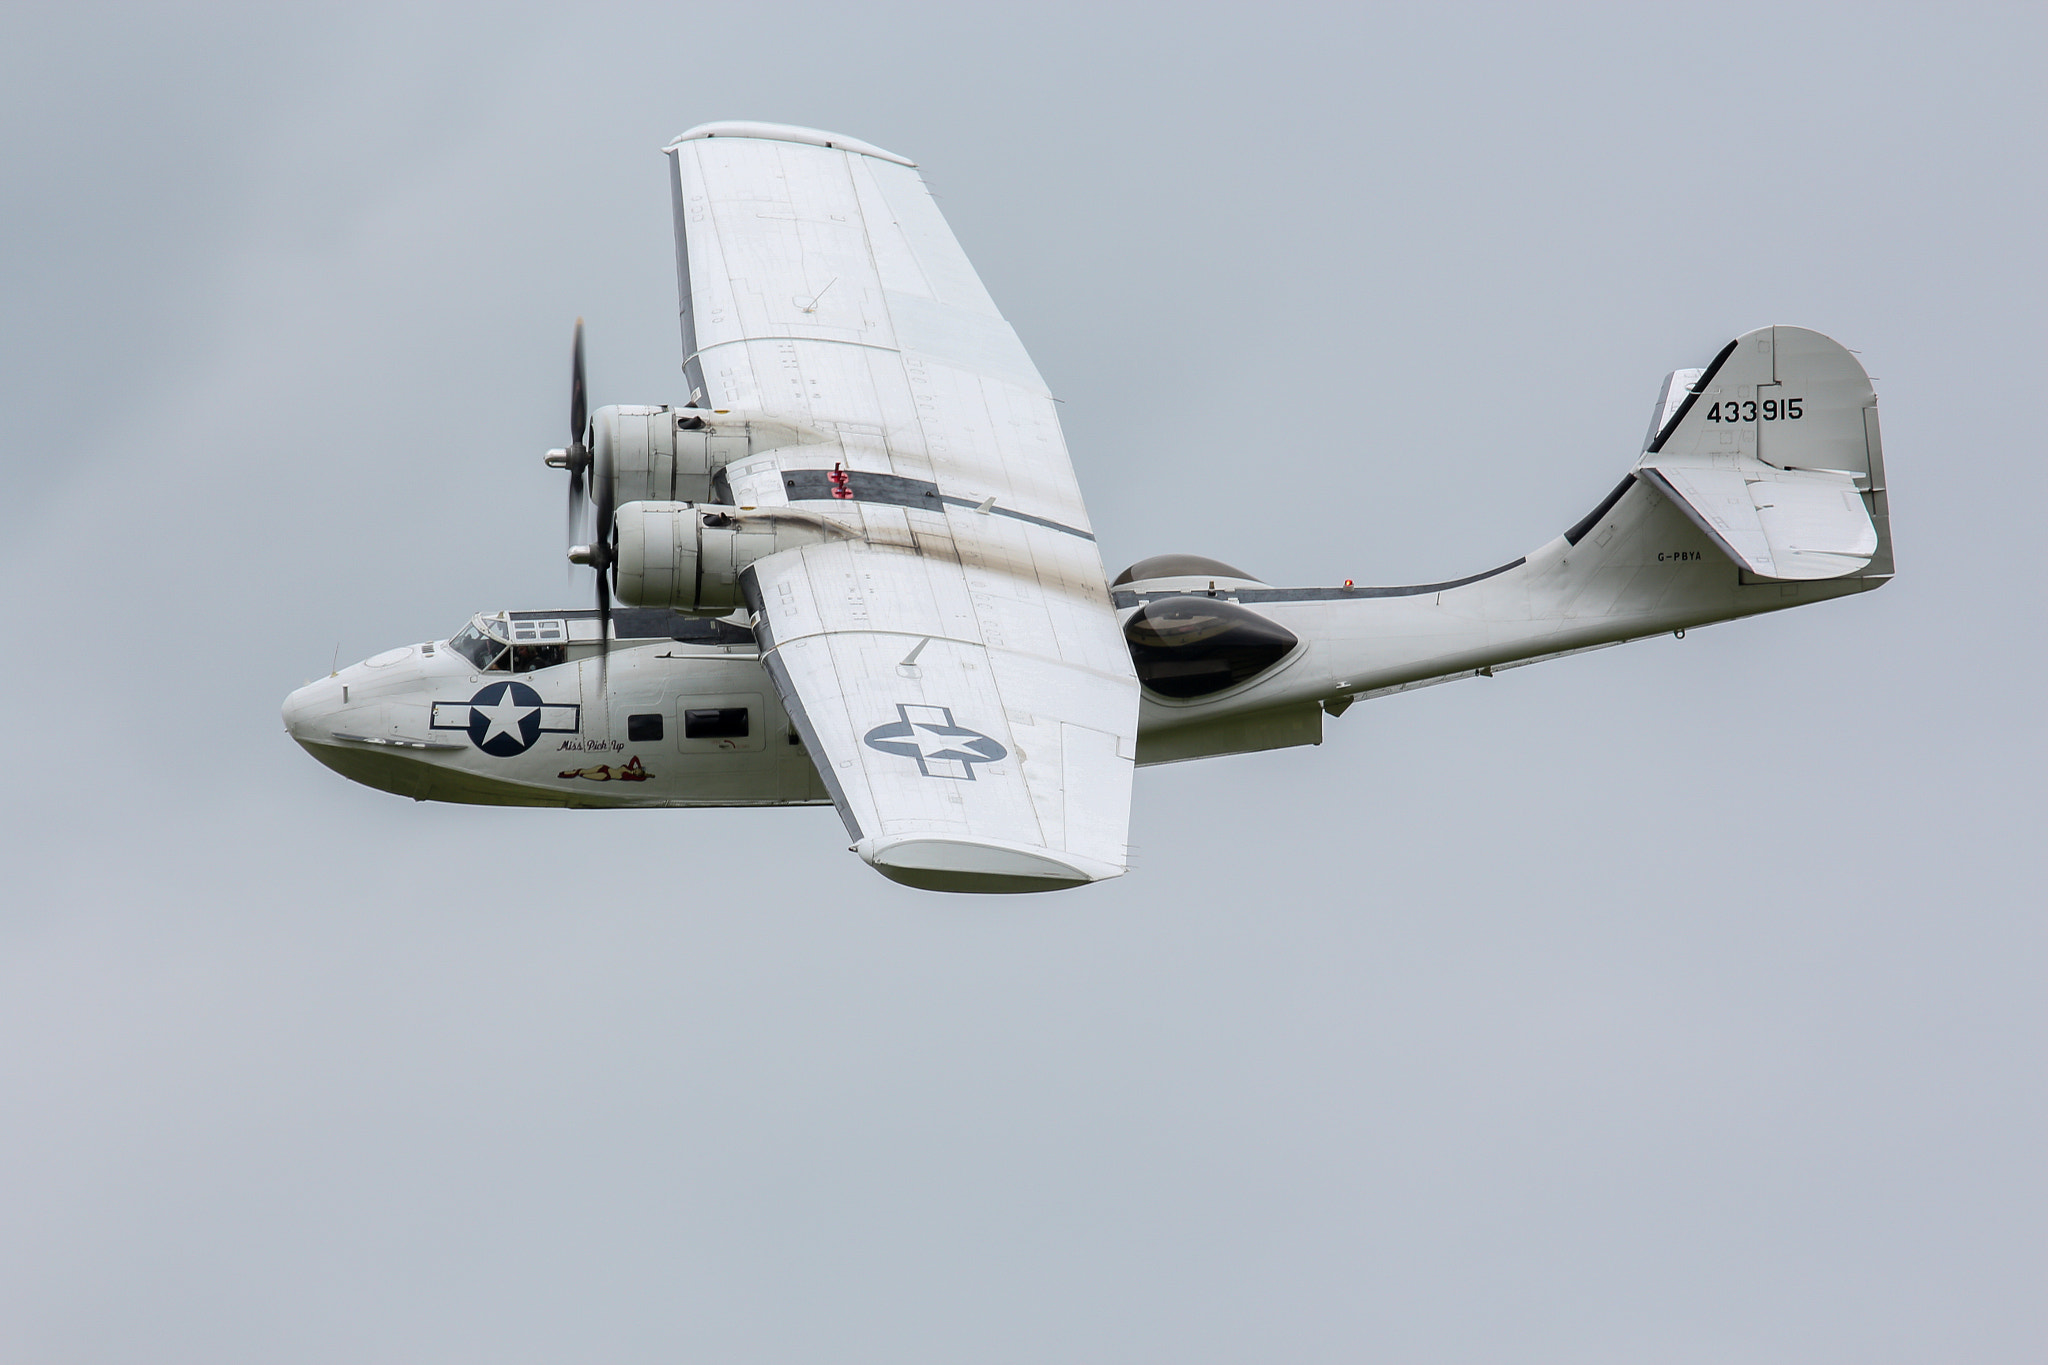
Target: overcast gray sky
(1680,1002)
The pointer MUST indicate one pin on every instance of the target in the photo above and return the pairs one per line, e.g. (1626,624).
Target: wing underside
(956,669)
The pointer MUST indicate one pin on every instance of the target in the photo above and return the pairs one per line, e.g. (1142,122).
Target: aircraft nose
(310,704)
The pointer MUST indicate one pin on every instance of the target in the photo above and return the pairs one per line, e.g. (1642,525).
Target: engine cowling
(689,556)
(659,454)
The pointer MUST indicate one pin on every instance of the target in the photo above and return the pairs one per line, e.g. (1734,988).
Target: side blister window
(1192,646)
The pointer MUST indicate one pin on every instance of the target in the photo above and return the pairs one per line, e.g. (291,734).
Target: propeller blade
(575,500)
(601,490)
(579,410)
(601,560)
(603,539)
(577,459)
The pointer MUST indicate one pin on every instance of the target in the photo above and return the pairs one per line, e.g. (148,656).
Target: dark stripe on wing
(893,490)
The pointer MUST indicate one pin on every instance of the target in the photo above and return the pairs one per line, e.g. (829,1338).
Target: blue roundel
(504,719)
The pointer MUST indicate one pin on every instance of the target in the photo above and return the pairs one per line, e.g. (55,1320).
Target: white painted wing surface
(958,672)
(957,764)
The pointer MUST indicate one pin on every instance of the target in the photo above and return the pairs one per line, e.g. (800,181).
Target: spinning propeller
(578,459)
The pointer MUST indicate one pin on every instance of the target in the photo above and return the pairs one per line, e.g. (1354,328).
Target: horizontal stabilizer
(1777,523)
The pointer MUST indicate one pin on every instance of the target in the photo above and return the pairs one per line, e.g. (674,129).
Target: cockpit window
(480,649)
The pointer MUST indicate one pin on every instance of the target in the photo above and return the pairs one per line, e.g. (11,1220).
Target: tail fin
(1773,451)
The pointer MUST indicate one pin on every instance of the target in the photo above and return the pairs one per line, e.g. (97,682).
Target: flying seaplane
(855,568)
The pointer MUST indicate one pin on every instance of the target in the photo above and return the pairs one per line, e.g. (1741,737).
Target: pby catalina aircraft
(857,570)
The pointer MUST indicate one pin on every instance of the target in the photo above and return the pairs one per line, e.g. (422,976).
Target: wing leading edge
(956,672)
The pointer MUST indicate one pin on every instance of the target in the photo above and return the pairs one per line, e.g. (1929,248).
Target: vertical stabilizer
(1773,451)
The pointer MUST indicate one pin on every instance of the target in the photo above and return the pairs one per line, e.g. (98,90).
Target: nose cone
(307,710)
(372,723)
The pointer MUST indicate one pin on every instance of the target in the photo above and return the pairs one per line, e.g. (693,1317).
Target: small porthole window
(726,723)
(643,729)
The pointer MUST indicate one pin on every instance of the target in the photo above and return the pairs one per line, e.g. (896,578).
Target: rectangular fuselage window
(643,729)
(726,723)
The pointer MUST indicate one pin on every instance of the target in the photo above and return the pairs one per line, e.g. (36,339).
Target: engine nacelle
(672,454)
(689,557)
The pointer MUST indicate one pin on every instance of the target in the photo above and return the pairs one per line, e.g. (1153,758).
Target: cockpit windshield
(482,642)
(480,649)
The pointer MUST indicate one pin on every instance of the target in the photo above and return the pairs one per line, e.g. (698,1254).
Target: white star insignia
(504,716)
(930,746)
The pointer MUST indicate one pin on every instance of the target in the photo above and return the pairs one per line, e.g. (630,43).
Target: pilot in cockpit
(527,658)
(485,653)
